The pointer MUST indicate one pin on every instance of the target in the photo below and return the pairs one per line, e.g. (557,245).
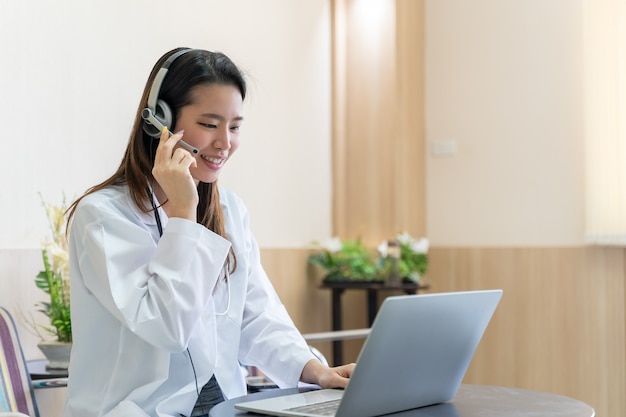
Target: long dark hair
(135,171)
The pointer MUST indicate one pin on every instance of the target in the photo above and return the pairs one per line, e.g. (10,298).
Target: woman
(168,292)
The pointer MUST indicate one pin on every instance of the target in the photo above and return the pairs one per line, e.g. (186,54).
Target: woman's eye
(235,128)
(208,125)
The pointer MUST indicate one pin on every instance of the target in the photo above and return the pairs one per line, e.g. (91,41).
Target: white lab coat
(147,311)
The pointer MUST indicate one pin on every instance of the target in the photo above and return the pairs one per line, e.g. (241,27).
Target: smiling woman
(211,123)
(166,275)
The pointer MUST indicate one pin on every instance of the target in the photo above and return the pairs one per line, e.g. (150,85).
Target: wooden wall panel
(378,134)
(560,327)
(409,179)
(561,323)
(297,283)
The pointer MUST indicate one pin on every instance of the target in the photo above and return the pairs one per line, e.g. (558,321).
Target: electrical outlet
(442,148)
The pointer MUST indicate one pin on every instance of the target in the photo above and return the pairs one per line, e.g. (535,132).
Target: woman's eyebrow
(219,117)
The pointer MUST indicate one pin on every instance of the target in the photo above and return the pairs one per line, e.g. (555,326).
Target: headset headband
(158,79)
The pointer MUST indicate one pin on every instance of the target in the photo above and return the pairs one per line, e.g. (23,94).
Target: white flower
(420,246)
(59,260)
(382,248)
(416,245)
(332,245)
(404,238)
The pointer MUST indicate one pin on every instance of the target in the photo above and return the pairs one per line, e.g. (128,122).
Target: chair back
(16,391)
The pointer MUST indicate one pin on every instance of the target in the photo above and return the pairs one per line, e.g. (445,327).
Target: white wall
(504,82)
(71,76)
(72,73)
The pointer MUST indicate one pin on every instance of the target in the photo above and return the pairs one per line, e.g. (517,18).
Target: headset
(158,113)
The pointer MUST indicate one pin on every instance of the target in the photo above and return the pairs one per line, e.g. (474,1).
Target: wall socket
(443,148)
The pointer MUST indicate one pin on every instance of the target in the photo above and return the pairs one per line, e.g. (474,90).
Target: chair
(16,390)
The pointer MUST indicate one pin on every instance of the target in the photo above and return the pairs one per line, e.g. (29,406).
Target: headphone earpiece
(163,114)
(158,111)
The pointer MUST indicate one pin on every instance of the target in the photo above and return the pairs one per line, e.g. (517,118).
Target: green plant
(345,260)
(350,260)
(58,309)
(54,280)
(411,253)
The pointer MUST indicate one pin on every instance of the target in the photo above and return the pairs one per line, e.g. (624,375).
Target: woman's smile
(213,162)
(211,123)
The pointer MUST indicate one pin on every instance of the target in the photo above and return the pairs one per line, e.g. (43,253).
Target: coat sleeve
(157,290)
(269,338)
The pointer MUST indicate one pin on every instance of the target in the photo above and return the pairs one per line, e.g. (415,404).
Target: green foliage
(58,309)
(412,264)
(351,261)
(54,280)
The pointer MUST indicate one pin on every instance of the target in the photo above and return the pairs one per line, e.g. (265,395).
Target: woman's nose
(222,140)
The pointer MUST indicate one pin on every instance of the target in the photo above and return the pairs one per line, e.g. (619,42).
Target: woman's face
(211,123)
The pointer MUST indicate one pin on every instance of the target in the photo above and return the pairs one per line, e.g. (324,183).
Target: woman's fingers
(160,155)
(167,147)
(183,157)
(171,171)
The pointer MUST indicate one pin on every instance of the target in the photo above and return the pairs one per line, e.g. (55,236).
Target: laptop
(415,355)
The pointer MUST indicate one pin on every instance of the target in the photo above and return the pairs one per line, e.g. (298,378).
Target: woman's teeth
(212,159)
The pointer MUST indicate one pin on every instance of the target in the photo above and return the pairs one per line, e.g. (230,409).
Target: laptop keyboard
(325,408)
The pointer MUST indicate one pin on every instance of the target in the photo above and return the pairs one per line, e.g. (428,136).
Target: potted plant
(401,259)
(404,258)
(347,260)
(54,280)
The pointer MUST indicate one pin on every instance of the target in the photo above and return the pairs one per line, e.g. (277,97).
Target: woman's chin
(207,179)
(204,175)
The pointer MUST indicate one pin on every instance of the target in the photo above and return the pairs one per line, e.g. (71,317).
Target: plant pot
(57,353)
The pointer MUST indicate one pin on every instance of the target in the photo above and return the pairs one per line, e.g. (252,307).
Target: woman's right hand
(171,171)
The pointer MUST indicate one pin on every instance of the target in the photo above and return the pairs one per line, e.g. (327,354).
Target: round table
(470,401)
